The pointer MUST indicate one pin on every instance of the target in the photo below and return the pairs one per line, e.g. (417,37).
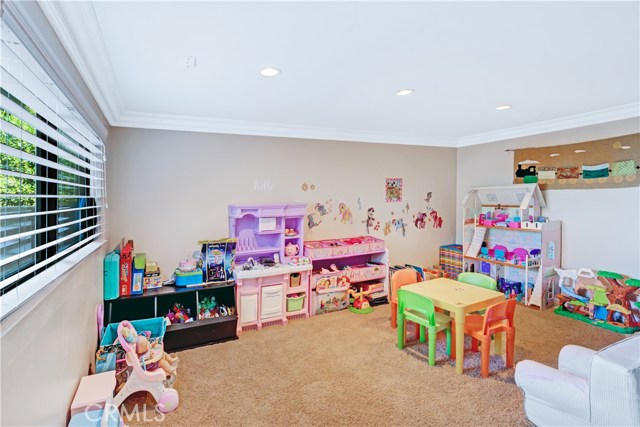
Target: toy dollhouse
(505,237)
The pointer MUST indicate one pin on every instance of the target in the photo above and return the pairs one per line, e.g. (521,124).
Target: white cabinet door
(272,301)
(248,308)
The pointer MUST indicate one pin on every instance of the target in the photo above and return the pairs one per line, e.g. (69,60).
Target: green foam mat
(599,323)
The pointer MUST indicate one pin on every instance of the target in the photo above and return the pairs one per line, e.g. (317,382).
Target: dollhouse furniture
(271,295)
(93,392)
(362,261)
(459,299)
(400,278)
(505,237)
(420,310)
(497,319)
(589,388)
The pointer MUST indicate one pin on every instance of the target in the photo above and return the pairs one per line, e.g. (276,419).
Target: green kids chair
(418,309)
(478,279)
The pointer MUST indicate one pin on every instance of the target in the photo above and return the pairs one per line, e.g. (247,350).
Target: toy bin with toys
(110,354)
(295,302)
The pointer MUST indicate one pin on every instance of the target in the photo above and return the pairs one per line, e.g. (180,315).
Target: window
(51,171)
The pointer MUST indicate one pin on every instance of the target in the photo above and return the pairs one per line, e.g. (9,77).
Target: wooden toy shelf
(156,303)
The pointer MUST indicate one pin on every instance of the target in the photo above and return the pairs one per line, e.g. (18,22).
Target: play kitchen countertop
(270,271)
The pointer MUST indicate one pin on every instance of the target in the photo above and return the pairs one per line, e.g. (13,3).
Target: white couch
(589,388)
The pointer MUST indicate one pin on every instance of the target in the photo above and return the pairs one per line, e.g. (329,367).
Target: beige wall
(48,344)
(167,190)
(600,228)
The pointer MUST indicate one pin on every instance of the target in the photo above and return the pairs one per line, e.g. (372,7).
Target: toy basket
(317,250)
(356,245)
(295,303)
(294,280)
(337,247)
(109,352)
(374,243)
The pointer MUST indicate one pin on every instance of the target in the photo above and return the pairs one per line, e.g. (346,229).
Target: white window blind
(52,182)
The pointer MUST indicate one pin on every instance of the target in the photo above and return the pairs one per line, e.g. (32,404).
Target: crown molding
(238,127)
(85,45)
(621,112)
(86,48)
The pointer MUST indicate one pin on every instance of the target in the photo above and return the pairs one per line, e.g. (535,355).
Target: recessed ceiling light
(580,151)
(404,92)
(503,107)
(269,72)
(625,147)
(554,155)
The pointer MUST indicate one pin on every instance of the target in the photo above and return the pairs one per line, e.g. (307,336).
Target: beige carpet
(344,369)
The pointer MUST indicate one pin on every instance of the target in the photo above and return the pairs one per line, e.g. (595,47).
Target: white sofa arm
(557,389)
(575,360)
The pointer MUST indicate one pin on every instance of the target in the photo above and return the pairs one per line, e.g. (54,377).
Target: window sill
(29,293)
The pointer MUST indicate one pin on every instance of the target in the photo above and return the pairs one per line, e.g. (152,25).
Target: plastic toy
(207,308)
(604,299)
(179,314)
(291,250)
(151,381)
(360,304)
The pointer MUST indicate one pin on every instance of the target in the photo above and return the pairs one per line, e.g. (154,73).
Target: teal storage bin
(189,278)
(108,352)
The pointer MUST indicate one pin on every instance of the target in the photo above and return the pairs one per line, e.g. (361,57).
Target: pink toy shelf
(339,264)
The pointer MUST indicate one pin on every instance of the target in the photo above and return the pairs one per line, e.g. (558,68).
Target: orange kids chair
(406,276)
(498,318)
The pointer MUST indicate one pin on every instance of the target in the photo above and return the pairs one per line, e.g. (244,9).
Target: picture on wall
(393,190)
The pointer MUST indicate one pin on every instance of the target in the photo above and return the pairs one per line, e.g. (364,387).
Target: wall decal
(262,185)
(625,167)
(400,225)
(312,186)
(370,220)
(437,220)
(393,190)
(387,228)
(304,186)
(312,221)
(345,214)
(428,198)
(420,220)
(359,204)
(323,209)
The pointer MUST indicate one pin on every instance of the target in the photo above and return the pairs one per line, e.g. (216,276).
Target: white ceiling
(559,64)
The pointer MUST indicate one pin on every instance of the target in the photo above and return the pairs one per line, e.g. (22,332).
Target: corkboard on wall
(605,163)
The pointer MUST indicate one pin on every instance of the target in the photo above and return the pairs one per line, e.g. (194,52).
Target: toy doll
(145,351)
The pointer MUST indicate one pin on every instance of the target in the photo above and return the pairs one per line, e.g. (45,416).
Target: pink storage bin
(514,224)
(488,222)
(337,247)
(374,243)
(356,245)
(317,249)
